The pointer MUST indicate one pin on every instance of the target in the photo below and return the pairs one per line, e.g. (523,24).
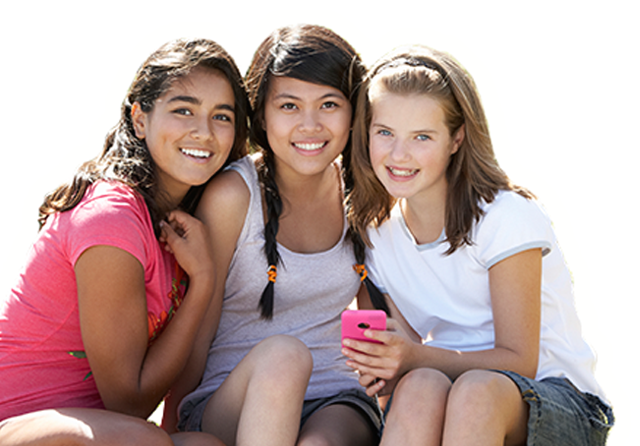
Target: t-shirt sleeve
(511,224)
(112,217)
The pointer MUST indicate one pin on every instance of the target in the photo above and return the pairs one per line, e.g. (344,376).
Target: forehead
(200,80)
(282,86)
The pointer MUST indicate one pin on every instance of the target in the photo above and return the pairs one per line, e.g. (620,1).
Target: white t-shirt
(446,299)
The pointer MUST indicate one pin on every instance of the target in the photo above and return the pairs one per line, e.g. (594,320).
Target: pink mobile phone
(355,322)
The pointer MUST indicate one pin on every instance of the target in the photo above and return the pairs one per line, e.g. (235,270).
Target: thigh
(487,406)
(195,439)
(71,427)
(338,424)
(272,367)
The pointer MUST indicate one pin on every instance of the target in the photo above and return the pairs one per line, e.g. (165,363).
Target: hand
(386,361)
(374,386)
(187,238)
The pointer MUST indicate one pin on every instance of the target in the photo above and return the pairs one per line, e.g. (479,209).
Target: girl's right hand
(187,238)
(390,359)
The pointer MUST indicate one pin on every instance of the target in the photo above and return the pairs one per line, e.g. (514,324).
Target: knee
(477,390)
(314,440)
(422,382)
(420,388)
(285,357)
(144,433)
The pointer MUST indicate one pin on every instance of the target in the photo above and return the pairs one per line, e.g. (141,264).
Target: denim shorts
(191,412)
(562,415)
(559,413)
(367,406)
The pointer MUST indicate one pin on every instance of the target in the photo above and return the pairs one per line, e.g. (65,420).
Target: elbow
(527,366)
(132,405)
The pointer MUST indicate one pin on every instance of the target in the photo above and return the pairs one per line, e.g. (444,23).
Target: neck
(168,202)
(297,186)
(425,217)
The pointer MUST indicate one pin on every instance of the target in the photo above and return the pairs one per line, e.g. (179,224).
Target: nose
(202,128)
(310,122)
(399,150)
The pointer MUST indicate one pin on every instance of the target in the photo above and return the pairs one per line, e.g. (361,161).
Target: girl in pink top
(86,348)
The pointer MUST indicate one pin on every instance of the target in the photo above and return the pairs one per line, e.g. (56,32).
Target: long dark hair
(125,157)
(309,53)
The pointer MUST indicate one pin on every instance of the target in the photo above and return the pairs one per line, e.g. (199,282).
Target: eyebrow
(286,95)
(376,124)
(195,101)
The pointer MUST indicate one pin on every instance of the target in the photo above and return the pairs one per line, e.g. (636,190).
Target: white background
(559,81)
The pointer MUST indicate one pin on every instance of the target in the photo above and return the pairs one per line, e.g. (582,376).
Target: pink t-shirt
(42,361)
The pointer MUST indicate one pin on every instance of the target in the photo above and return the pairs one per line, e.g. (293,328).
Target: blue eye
(423,137)
(384,132)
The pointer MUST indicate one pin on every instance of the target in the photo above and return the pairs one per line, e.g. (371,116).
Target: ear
(139,119)
(458,139)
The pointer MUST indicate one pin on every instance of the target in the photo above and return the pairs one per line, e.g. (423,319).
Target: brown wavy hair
(473,174)
(309,53)
(125,157)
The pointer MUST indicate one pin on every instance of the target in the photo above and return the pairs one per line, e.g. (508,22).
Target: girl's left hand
(387,361)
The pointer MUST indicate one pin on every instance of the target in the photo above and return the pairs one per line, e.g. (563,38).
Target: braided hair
(312,54)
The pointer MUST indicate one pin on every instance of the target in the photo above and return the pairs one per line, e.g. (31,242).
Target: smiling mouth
(402,172)
(196,153)
(310,146)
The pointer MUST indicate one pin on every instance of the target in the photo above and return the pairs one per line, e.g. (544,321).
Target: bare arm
(515,295)
(222,209)
(131,377)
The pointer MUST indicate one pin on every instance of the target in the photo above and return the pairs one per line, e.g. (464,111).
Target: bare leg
(260,402)
(416,416)
(195,439)
(336,425)
(80,427)
(485,408)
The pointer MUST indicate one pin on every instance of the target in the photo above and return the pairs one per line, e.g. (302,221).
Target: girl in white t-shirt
(484,344)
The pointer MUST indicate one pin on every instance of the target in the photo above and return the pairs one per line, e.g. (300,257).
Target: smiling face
(410,145)
(307,125)
(190,130)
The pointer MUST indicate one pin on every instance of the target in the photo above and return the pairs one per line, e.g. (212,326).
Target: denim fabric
(357,398)
(561,415)
(192,412)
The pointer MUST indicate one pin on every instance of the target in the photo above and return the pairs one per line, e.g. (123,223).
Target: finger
(359,346)
(366,380)
(173,239)
(376,387)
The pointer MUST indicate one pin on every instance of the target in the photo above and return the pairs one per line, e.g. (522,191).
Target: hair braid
(377,298)
(266,171)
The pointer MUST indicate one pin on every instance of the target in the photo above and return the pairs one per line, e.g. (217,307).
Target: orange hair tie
(273,273)
(361,270)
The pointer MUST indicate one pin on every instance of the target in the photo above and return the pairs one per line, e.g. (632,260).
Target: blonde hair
(473,174)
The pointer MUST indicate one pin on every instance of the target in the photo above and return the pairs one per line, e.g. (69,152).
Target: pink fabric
(42,362)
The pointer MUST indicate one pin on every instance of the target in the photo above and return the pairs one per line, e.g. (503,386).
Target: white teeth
(309,146)
(196,153)
(402,172)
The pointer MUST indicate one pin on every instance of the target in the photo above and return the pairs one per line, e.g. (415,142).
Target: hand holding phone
(355,322)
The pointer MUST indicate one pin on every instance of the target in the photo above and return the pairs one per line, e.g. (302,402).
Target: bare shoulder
(226,198)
